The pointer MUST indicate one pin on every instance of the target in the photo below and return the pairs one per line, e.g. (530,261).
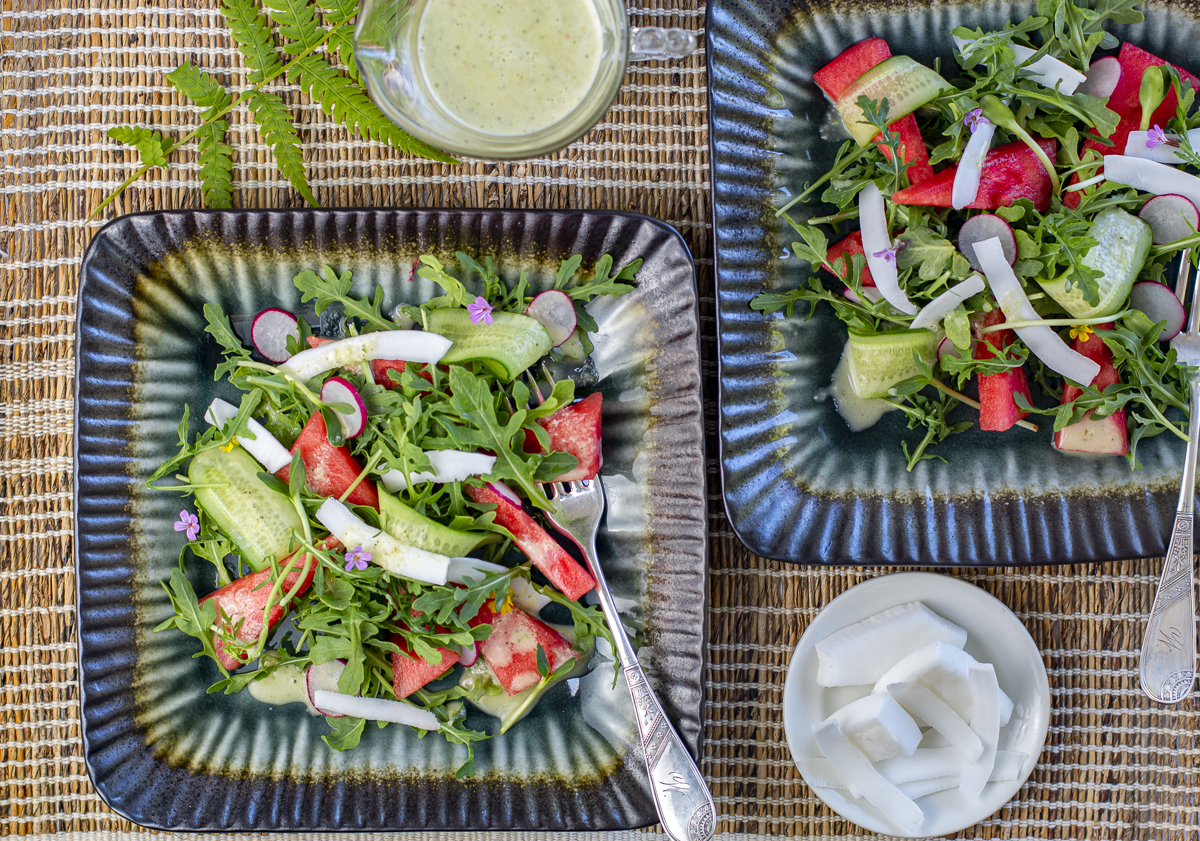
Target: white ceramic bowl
(994,635)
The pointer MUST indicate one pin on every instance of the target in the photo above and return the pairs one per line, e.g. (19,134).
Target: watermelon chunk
(1010,172)
(564,572)
(1109,435)
(244,600)
(848,247)
(511,648)
(915,153)
(574,429)
(856,60)
(410,672)
(329,470)
(998,409)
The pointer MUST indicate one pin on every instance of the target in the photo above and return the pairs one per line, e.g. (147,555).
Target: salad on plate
(998,239)
(367,509)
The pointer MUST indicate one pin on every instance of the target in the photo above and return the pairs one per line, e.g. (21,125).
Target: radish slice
(510,496)
(944,304)
(270,332)
(946,348)
(386,551)
(554,310)
(1043,342)
(970,168)
(985,226)
(873,221)
(1137,145)
(869,292)
(1159,303)
(1170,218)
(341,390)
(1102,78)
(985,724)
(448,466)
(407,345)
(323,677)
(468,654)
(263,447)
(375,709)
(860,774)
(1152,177)
(460,568)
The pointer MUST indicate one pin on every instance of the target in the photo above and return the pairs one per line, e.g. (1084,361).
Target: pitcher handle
(650,43)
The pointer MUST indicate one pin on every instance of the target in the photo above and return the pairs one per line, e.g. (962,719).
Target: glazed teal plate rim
(165,755)
(797,485)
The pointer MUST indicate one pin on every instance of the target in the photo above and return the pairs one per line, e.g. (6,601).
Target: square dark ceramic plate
(163,753)
(798,485)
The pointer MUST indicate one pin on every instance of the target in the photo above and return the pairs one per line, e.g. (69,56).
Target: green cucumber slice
(906,84)
(880,360)
(1123,244)
(509,345)
(256,518)
(414,529)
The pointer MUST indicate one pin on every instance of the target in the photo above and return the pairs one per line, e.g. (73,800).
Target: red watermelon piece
(998,409)
(564,572)
(1010,172)
(848,247)
(511,648)
(856,60)
(574,429)
(329,470)
(915,153)
(410,672)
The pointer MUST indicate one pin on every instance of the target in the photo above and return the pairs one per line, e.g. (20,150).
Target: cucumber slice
(413,529)
(880,360)
(256,518)
(509,345)
(1123,243)
(905,84)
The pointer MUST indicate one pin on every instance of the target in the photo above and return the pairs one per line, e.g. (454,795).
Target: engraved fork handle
(1167,669)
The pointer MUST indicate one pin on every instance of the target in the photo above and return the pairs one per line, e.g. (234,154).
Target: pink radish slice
(1170,218)
(554,310)
(323,677)
(468,654)
(341,390)
(985,226)
(1159,303)
(946,348)
(1102,77)
(507,493)
(270,332)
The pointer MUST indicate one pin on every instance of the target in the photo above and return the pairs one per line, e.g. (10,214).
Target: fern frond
(200,88)
(151,145)
(342,41)
(216,164)
(298,24)
(251,31)
(275,123)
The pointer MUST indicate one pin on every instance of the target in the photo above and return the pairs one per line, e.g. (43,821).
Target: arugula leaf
(432,269)
(329,287)
(926,251)
(347,732)
(191,616)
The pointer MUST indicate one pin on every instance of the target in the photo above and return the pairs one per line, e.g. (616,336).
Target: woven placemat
(1114,766)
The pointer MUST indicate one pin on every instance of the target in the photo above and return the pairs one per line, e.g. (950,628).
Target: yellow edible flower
(1082,332)
(229,447)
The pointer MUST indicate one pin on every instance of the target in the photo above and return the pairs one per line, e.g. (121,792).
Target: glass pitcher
(501,79)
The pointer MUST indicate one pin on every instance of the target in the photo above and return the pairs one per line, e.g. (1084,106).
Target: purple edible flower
(357,558)
(889,254)
(188,522)
(480,310)
(1157,137)
(975,119)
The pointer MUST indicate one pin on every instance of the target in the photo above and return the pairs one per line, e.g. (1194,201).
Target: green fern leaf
(342,41)
(275,122)
(251,31)
(216,164)
(200,88)
(297,24)
(151,145)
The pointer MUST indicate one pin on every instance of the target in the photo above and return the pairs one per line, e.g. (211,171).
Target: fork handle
(684,805)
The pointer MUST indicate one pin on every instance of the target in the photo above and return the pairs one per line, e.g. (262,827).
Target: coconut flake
(877,245)
(375,709)
(263,446)
(448,466)
(939,715)
(985,723)
(970,167)
(406,345)
(852,764)
(944,304)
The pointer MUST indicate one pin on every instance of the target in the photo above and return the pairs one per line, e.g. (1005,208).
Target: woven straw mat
(1114,766)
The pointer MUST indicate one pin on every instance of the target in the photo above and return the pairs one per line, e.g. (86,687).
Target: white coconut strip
(1047,71)
(375,709)
(939,715)
(853,764)
(905,772)
(1151,177)
(985,723)
(944,304)
(448,466)
(1163,153)
(266,450)
(1043,342)
(872,219)
(386,551)
(970,166)
(405,345)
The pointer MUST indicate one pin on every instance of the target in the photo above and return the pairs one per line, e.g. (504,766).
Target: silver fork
(685,807)
(1167,669)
